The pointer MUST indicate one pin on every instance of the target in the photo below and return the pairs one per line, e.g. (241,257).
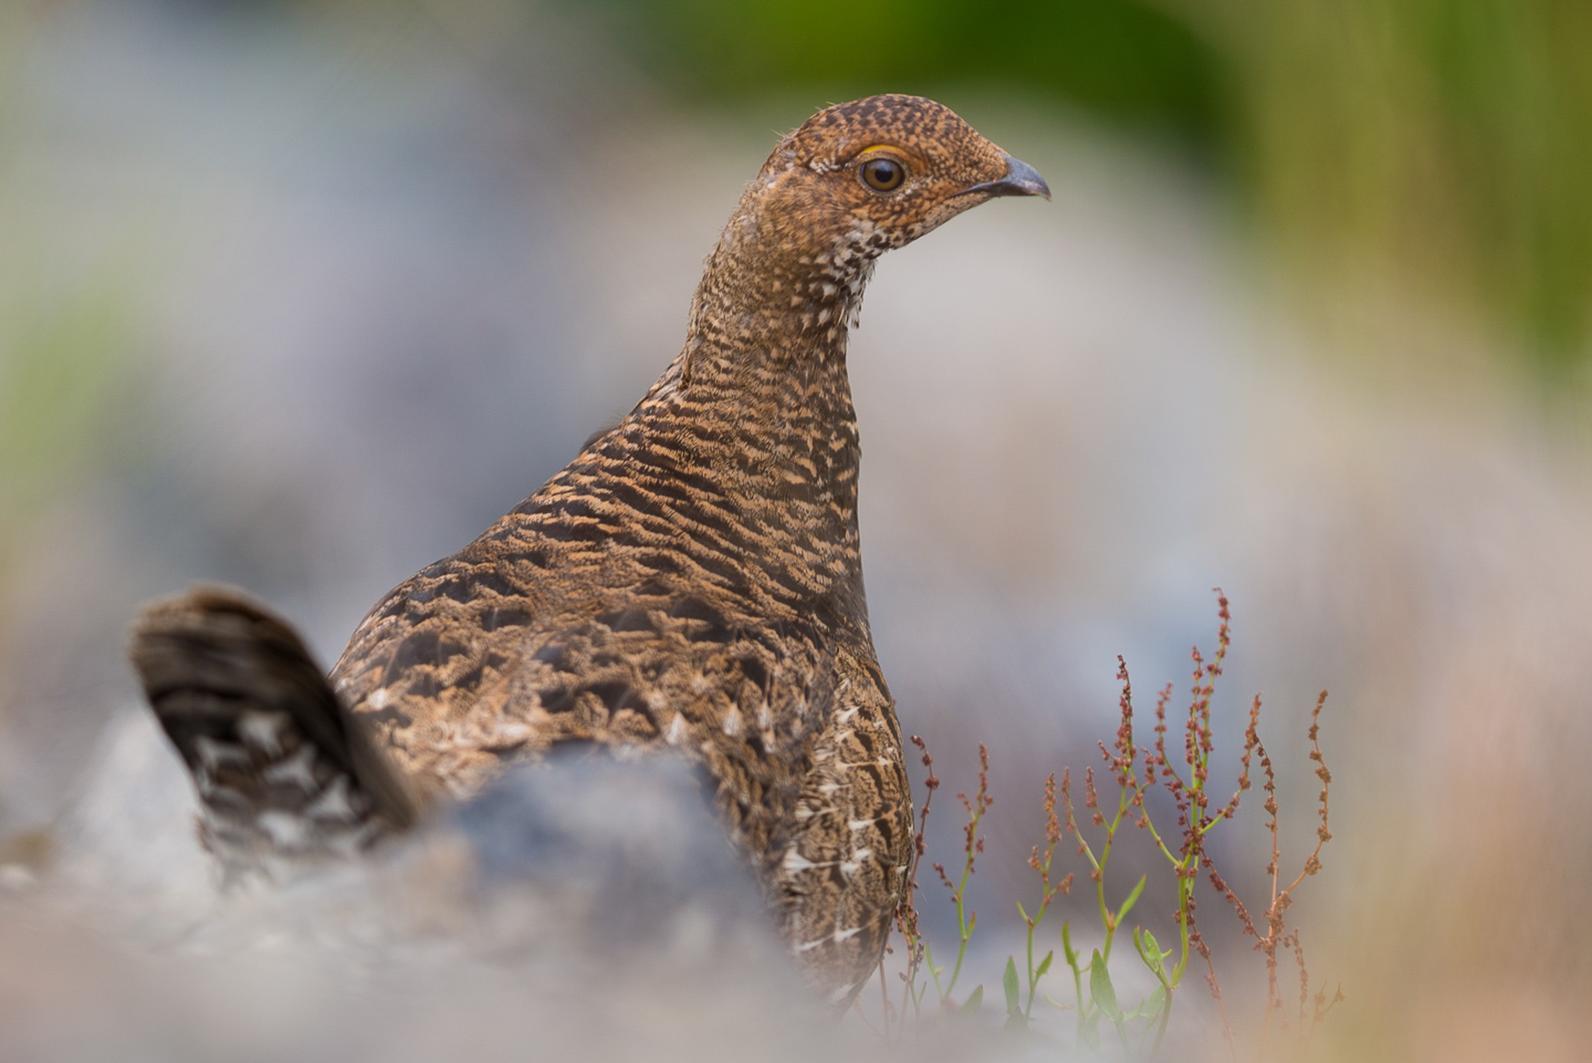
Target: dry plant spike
(1277,934)
(1185,851)
(1072,817)
(1251,742)
(907,914)
(1304,974)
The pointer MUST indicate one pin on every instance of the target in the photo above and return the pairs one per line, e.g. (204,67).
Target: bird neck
(765,298)
(758,404)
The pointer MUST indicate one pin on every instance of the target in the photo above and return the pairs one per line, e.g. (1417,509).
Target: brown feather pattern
(692,579)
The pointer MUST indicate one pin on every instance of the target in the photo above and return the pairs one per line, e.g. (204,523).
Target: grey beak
(1021,180)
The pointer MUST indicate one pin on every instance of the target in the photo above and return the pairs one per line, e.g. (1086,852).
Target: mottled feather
(692,580)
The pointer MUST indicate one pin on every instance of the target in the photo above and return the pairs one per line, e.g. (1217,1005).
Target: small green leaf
(1149,951)
(1009,984)
(975,1000)
(1101,990)
(1022,912)
(1044,965)
(1066,946)
(1133,898)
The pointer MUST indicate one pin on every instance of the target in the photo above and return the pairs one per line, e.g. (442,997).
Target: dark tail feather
(285,776)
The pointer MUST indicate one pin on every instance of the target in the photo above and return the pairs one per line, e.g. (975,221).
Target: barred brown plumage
(692,579)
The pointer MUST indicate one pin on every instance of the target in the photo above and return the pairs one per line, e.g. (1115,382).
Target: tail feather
(285,775)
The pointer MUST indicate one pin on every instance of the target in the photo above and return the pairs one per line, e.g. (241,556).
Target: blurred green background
(1437,146)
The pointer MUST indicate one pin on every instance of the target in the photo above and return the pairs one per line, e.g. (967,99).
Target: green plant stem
(1108,919)
(1166,1015)
(934,972)
(1077,973)
(964,933)
(1033,986)
(964,929)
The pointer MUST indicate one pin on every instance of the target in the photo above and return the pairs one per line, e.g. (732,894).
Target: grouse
(691,581)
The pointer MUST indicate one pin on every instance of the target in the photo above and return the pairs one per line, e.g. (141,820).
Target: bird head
(859,178)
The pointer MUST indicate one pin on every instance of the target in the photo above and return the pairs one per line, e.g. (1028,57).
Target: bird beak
(1021,180)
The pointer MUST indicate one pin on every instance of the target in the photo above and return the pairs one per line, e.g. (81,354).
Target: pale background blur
(300,296)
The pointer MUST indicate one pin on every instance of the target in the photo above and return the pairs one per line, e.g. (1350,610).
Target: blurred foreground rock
(582,905)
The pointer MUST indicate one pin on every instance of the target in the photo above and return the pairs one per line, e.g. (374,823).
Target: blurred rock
(581,904)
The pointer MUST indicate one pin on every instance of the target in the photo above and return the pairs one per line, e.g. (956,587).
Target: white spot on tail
(263,730)
(334,802)
(298,769)
(212,753)
(286,831)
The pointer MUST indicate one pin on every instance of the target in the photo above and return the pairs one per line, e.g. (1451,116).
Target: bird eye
(882,174)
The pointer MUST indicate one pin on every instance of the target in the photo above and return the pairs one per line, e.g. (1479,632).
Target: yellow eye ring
(882,173)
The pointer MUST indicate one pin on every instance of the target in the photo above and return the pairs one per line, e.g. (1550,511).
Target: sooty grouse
(691,580)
